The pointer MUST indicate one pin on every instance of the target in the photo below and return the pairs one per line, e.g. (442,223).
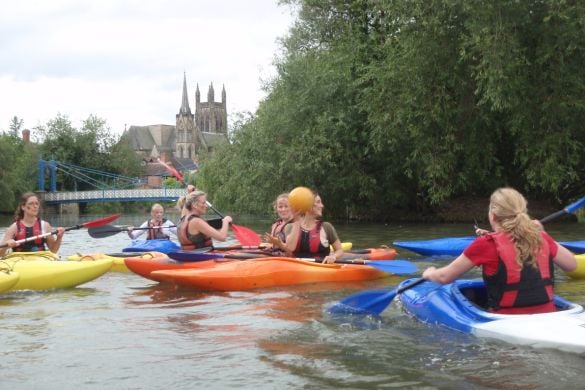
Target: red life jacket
(309,243)
(189,242)
(515,286)
(23,232)
(157,233)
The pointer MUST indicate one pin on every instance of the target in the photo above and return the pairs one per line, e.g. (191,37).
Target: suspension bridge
(106,187)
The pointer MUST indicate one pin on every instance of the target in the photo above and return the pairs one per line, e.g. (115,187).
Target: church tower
(211,117)
(185,127)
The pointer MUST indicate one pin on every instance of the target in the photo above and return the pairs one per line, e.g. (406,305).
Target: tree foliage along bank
(386,105)
(91,146)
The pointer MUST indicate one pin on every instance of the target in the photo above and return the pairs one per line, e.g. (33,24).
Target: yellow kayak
(579,273)
(44,271)
(344,245)
(7,280)
(118,264)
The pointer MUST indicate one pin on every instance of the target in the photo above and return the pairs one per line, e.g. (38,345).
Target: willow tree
(382,105)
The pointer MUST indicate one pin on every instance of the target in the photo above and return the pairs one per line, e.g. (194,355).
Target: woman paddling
(516,259)
(156,228)
(28,224)
(193,231)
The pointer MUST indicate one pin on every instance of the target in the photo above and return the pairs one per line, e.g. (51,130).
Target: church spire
(210,94)
(185,109)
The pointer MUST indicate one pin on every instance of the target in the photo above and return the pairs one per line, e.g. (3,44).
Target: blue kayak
(454,246)
(457,306)
(577,247)
(164,246)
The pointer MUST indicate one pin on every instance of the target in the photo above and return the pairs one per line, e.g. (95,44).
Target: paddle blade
(246,236)
(370,302)
(104,231)
(366,302)
(575,206)
(397,267)
(101,221)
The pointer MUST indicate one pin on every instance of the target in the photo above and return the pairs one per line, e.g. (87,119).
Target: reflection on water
(122,331)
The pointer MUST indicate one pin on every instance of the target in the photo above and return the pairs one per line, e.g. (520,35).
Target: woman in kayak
(516,259)
(276,237)
(156,228)
(308,236)
(193,231)
(28,224)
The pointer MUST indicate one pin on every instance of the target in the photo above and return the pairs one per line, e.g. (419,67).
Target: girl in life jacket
(277,236)
(156,228)
(193,231)
(516,259)
(27,225)
(308,236)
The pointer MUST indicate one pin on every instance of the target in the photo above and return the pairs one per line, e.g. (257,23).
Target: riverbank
(468,209)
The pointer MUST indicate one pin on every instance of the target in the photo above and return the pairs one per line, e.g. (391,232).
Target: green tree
(15,126)
(19,171)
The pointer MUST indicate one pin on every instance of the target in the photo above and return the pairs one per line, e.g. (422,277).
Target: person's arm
(54,242)
(169,227)
(565,259)
(293,233)
(333,238)
(8,239)
(450,272)
(337,253)
(201,226)
(134,234)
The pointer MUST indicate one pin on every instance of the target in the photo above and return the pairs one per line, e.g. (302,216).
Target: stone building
(192,135)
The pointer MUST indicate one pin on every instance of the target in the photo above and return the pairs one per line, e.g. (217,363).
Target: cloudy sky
(123,60)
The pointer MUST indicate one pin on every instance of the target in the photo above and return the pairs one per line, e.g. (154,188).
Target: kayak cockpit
(472,295)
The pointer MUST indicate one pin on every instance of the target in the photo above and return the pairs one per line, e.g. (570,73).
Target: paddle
(243,234)
(390,266)
(90,224)
(567,210)
(372,301)
(196,255)
(110,230)
(375,301)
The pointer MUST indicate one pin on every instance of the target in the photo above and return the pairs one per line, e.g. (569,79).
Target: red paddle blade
(101,221)
(246,236)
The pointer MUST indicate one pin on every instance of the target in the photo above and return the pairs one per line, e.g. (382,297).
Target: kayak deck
(43,270)
(458,306)
(265,272)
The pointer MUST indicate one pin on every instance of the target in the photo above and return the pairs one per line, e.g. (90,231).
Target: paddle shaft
(94,223)
(243,234)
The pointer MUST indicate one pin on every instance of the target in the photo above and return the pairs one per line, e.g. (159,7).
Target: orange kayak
(265,272)
(144,267)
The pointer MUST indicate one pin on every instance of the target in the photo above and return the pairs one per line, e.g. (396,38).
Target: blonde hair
(192,198)
(509,208)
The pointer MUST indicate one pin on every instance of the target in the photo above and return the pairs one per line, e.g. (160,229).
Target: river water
(121,331)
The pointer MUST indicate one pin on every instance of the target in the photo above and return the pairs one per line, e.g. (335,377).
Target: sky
(124,60)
